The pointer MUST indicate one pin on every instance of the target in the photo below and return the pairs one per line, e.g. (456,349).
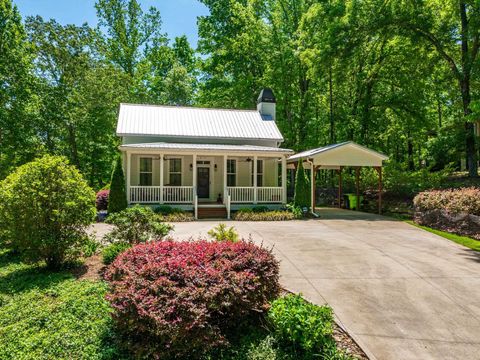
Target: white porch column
(128,157)
(312,186)
(194,175)
(225,179)
(161,178)
(284,179)
(255,179)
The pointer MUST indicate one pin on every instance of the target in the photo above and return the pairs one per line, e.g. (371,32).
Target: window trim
(140,172)
(170,172)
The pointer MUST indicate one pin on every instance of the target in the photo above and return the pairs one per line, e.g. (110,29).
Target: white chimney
(266,104)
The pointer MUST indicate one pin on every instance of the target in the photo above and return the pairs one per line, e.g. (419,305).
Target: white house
(200,159)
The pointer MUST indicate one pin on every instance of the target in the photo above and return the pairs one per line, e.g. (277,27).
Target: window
(231,172)
(146,171)
(259,173)
(175,172)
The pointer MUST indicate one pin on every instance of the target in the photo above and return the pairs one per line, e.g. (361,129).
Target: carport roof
(343,154)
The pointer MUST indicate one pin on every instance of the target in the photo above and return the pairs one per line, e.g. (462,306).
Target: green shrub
(166,210)
(137,224)
(302,325)
(110,252)
(302,196)
(274,215)
(222,233)
(117,199)
(45,208)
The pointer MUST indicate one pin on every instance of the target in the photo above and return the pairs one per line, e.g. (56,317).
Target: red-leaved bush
(102,199)
(178,299)
(454,201)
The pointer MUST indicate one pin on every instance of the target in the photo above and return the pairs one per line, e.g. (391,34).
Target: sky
(179,16)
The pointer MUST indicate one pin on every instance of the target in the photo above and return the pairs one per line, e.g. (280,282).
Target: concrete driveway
(401,292)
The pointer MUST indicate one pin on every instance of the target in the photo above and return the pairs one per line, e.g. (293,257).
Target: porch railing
(152,194)
(178,194)
(241,194)
(145,194)
(246,194)
(269,194)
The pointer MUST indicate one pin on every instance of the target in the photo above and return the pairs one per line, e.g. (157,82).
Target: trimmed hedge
(274,215)
(180,299)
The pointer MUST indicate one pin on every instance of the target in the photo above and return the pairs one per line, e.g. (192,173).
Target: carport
(337,157)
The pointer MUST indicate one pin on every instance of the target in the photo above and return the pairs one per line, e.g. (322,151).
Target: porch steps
(212,212)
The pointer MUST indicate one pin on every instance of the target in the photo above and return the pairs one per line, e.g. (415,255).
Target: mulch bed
(91,269)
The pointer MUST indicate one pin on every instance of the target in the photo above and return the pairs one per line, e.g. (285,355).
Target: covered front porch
(189,175)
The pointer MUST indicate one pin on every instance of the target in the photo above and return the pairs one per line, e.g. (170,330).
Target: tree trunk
(464,82)
(332,121)
(411,165)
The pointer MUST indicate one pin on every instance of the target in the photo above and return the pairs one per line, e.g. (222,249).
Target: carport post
(357,186)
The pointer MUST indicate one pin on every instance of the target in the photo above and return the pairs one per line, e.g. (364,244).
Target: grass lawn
(462,240)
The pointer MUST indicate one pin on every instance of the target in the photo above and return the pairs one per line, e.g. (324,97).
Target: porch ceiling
(208,148)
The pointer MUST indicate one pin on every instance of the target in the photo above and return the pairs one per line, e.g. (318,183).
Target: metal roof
(204,147)
(354,149)
(175,121)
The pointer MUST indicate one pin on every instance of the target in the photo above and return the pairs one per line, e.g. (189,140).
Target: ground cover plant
(45,208)
(181,298)
(52,315)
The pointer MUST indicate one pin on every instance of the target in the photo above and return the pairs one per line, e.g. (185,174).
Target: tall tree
(130,31)
(452,28)
(18,139)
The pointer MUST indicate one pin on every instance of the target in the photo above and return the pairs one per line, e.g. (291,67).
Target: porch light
(215,167)
(191,167)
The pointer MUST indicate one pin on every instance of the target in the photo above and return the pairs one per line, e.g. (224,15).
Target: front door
(203,182)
